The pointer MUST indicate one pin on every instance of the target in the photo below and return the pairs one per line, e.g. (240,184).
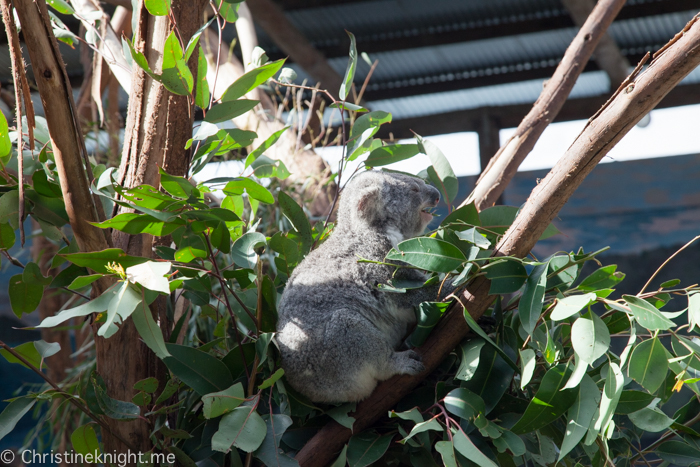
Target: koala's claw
(409,362)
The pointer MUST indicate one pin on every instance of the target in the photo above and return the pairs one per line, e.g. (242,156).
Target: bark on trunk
(158,125)
(636,98)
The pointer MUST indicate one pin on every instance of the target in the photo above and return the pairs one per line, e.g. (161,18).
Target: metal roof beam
(293,43)
(607,55)
(452,30)
(509,116)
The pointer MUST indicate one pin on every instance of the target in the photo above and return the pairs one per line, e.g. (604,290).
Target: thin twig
(665,263)
(228,306)
(71,398)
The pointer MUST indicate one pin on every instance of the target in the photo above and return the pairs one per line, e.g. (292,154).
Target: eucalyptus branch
(670,434)
(71,398)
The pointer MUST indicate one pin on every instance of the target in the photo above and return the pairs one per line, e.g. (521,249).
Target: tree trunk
(158,125)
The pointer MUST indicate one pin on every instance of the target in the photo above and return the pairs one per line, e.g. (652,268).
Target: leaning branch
(642,93)
(505,163)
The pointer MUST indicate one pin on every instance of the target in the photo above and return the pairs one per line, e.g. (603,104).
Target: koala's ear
(368,205)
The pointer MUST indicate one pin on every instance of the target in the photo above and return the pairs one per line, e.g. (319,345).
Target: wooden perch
(639,94)
(505,163)
(62,119)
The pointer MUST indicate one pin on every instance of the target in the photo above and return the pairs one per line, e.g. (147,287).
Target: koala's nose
(435,194)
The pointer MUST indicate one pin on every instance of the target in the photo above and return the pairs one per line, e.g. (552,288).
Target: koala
(337,333)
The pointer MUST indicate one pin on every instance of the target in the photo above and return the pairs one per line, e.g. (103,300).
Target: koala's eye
(414,189)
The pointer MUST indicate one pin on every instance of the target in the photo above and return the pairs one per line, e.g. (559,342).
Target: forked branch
(644,91)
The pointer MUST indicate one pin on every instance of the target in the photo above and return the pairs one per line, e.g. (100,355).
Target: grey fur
(338,334)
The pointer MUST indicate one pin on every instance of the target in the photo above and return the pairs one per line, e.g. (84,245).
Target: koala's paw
(409,362)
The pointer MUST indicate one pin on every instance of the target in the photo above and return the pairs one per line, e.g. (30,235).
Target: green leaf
(366,448)
(361,133)
(133,223)
(440,173)
(251,80)
(176,75)
(202,92)
(269,451)
(272,379)
(46,349)
(466,448)
(528,362)
(590,337)
(199,370)
(219,403)
(571,305)
(254,190)
(549,403)
(83,281)
(506,276)
(603,278)
(470,351)
(296,216)
(140,59)
(9,209)
(342,459)
(580,415)
(678,453)
(253,155)
(530,306)
(122,305)
(464,403)
(12,414)
(693,311)
(5,143)
(243,249)
(648,315)
(491,379)
(242,428)
(447,452)
(650,419)
(229,110)
(473,236)
(422,427)
(98,305)
(669,284)
(28,351)
(229,11)
(614,382)
(349,72)
(157,7)
(462,218)
(632,401)
(149,330)
(7,237)
(430,254)
(84,441)
(149,385)
(24,296)
(429,313)
(391,153)
(99,259)
(340,414)
(61,6)
(346,106)
(648,364)
(171,388)
(116,409)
